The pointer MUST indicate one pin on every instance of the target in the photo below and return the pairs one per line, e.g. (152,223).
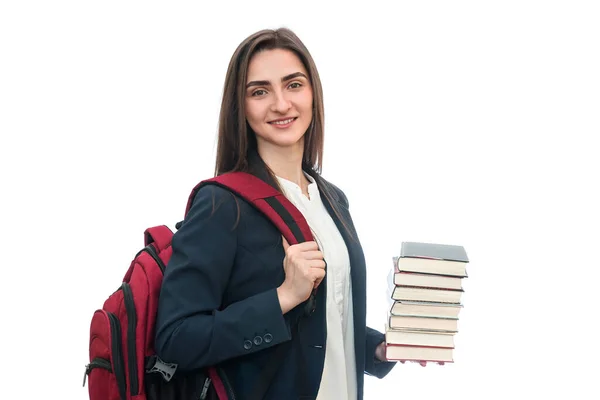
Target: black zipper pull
(96,363)
(205,389)
(87,371)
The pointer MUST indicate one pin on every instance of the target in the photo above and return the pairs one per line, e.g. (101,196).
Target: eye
(295,85)
(259,92)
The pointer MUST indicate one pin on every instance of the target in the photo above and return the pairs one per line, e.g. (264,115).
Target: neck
(285,162)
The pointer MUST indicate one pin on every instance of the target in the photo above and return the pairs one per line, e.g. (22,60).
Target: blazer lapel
(357,274)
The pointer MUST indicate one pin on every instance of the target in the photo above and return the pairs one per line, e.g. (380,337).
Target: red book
(419,353)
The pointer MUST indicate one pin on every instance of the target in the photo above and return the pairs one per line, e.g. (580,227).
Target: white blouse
(339,373)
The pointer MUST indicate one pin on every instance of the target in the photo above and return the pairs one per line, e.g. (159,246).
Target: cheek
(252,113)
(307,103)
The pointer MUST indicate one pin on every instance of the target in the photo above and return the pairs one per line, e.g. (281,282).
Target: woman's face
(278,99)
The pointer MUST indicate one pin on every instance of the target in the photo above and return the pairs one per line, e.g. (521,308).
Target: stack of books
(426,302)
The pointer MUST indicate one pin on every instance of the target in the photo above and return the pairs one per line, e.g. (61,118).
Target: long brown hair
(236,145)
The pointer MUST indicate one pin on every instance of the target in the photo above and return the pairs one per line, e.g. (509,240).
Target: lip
(280,126)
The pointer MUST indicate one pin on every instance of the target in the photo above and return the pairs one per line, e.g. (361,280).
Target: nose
(280,103)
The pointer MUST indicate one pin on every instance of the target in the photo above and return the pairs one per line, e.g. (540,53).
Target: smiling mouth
(283,122)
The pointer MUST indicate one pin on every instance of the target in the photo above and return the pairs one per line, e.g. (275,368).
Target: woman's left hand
(380,352)
(423,363)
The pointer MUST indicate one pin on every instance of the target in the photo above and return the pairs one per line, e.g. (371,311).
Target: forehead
(274,64)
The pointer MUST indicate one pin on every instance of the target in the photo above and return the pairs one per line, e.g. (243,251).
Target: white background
(460,122)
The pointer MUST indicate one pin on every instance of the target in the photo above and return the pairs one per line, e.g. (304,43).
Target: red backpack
(123,364)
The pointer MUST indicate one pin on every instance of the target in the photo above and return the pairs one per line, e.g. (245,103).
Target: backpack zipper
(96,363)
(150,250)
(117,354)
(131,339)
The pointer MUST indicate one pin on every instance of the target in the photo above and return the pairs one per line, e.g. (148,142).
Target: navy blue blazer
(218,303)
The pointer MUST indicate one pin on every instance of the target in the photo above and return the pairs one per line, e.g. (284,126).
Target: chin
(288,140)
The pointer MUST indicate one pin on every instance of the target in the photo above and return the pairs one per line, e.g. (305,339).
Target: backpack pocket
(106,370)
(98,370)
(134,384)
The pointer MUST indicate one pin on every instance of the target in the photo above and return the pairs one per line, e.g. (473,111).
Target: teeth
(287,121)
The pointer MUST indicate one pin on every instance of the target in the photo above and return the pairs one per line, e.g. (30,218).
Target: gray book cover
(434,251)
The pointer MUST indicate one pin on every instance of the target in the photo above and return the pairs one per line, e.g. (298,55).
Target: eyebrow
(267,83)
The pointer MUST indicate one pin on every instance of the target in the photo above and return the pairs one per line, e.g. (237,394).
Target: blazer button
(247,345)
(268,338)
(258,340)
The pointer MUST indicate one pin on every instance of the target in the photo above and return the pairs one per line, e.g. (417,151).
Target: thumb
(285,243)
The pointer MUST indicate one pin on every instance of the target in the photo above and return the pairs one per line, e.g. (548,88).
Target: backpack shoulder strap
(292,225)
(268,200)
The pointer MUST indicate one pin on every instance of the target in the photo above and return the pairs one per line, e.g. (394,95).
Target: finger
(402,361)
(312,255)
(317,283)
(319,280)
(441,363)
(307,246)
(321,264)
(423,363)
(285,243)
(317,274)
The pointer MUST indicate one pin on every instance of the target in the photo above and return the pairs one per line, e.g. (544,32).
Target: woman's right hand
(304,270)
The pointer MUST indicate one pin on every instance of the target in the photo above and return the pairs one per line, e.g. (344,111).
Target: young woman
(234,289)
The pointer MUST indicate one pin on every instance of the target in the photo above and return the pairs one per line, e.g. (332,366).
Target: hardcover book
(427,294)
(423,323)
(425,309)
(427,280)
(418,338)
(425,291)
(432,258)
(435,354)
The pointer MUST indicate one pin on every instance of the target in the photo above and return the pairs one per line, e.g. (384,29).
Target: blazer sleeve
(191,329)
(373,366)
